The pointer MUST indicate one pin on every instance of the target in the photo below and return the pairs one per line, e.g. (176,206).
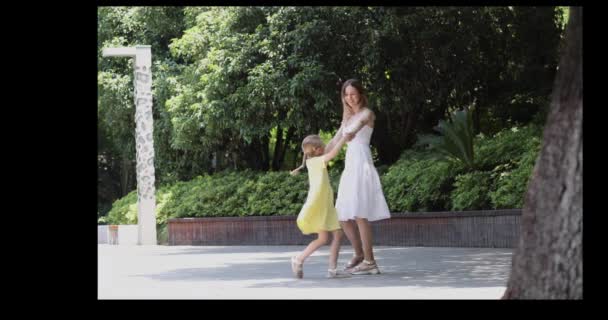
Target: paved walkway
(264,272)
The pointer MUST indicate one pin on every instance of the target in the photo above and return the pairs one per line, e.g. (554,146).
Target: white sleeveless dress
(360,192)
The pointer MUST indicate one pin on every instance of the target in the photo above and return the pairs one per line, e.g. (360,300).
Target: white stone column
(146,200)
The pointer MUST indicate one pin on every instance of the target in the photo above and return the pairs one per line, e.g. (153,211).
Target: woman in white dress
(360,198)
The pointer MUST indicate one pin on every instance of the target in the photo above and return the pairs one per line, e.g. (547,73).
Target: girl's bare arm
(333,152)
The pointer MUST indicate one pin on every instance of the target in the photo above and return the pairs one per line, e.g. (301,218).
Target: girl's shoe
(297,268)
(335,273)
(366,267)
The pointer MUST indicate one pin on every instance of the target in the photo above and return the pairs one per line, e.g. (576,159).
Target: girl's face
(352,96)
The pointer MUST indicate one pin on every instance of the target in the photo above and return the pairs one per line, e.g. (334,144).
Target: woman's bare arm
(365,118)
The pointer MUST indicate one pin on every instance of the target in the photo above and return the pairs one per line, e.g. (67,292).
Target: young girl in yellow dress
(318,215)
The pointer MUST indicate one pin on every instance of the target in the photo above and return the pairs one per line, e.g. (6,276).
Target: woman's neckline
(360,110)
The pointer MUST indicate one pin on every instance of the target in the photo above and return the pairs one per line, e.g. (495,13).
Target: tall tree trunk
(286,142)
(277,149)
(547,263)
(408,135)
(264,152)
(296,160)
(124,172)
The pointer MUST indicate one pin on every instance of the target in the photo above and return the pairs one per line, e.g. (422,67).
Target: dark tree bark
(547,263)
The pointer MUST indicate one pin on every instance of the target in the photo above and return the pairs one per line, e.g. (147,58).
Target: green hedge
(511,185)
(421,180)
(506,161)
(506,146)
(472,191)
(425,181)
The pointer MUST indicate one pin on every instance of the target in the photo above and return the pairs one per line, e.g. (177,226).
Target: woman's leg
(365,229)
(350,229)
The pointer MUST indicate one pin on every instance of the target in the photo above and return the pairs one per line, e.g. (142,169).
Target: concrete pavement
(264,272)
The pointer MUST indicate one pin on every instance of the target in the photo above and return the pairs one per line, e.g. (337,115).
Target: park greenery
(460,96)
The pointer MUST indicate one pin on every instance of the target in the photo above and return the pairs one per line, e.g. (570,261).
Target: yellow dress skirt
(318,212)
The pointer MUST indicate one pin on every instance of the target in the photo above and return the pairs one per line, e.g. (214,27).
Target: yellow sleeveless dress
(318,212)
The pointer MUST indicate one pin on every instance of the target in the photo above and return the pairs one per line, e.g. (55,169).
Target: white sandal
(337,273)
(353,263)
(297,268)
(366,267)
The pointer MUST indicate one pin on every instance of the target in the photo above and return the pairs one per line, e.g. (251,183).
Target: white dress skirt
(360,192)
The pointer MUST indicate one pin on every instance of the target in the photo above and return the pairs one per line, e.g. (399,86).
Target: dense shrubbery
(424,181)
(421,180)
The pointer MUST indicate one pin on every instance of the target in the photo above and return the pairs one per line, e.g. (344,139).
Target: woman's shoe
(366,267)
(353,263)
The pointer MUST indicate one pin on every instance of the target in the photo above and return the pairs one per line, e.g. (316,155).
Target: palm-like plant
(457,138)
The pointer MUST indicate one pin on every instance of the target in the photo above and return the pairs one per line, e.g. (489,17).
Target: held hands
(294,172)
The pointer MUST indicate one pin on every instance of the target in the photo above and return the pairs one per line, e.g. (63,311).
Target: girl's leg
(313,246)
(334,250)
(365,228)
(350,228)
